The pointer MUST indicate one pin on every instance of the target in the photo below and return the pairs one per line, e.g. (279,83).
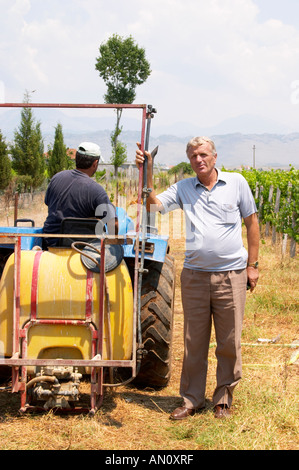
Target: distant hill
(234,148)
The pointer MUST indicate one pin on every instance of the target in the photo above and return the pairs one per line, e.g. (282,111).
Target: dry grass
(265,405)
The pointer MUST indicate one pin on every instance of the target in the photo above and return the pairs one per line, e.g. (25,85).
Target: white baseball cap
(89,148)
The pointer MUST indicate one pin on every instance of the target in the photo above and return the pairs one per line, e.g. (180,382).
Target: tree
(183,167)
(28,149)
(58,159)
(5,165)
(119,155)
(119,151)
(123,66)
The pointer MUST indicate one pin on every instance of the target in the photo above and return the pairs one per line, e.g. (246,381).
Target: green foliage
(58,159)
(183,167)
(22,183)
(119,151)
(99,175)
(122,65)
(286,220)
(5,165)
(28,149)
(161,180)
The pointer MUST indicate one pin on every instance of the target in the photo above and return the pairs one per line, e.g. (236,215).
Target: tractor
(96,307)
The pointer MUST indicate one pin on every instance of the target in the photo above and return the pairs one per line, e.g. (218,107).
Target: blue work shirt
(72,193)
(213,220)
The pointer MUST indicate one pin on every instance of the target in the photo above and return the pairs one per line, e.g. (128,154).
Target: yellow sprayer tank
(55,284)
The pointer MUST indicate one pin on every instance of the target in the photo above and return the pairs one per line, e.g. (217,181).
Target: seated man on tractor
(74,194)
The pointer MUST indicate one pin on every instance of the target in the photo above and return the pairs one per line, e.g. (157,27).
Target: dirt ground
(131,418)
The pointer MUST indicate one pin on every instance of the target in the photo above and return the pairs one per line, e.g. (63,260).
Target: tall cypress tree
(5,165)
(58,159)
(28,149)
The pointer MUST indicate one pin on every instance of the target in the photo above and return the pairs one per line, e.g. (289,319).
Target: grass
(265,402)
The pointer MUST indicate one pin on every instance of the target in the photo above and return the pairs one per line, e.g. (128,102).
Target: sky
(212,62)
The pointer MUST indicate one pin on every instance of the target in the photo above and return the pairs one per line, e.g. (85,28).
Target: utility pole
(253,156)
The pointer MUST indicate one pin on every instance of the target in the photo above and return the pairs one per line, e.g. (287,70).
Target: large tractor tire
(157,301)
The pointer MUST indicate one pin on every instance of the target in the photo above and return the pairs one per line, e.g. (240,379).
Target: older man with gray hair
(216,270)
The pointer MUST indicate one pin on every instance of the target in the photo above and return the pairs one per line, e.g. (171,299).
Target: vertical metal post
(136,306)
(142,188)
(96,397)
(16,205)
(16,312)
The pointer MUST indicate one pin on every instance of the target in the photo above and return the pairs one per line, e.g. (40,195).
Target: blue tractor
(141,251)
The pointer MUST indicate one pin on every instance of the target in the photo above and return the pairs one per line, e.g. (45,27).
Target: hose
(42,378)
(74,247)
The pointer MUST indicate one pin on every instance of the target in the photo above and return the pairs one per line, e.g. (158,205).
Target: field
(265,413)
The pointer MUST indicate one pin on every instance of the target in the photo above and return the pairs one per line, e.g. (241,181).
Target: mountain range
(242,141)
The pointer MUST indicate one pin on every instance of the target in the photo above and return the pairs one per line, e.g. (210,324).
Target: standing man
(72,193)
(215,273)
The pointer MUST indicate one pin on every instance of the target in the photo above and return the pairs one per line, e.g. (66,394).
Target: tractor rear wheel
(157,301)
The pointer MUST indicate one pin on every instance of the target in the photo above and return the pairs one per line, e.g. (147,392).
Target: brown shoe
(182,413)
(222,411)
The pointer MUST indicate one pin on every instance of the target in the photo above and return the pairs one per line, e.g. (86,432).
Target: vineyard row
(276,194)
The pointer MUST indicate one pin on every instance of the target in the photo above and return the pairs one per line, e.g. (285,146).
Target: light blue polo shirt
(213,220)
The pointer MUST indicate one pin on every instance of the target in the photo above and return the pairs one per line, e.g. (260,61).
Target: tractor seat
(77,226)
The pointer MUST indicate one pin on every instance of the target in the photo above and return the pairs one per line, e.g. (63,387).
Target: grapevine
(286,218)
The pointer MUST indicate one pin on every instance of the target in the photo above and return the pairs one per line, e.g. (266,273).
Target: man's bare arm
(253,237)
(153,204)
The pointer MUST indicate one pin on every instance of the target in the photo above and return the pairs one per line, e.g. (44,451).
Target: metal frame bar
(19,360)
(73,106)
(20,334)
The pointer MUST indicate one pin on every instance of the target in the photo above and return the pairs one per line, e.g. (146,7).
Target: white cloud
(20,7)
(210,60)
(2,92)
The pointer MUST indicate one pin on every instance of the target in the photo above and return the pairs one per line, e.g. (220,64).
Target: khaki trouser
(221,295)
